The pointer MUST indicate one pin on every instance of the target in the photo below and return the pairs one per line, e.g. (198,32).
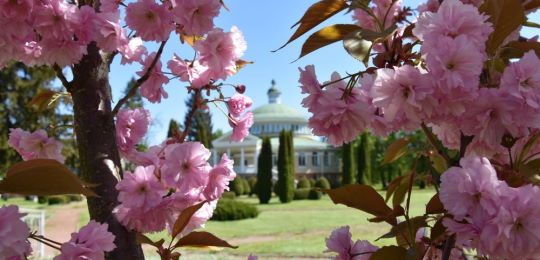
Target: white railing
(35,219)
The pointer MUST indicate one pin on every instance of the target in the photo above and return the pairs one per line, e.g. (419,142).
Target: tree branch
(190,115)
(62,78)
(140,81)
(435,143)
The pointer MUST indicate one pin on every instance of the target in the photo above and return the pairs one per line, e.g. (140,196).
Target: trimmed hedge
(253,185)
(314,195)
(322,183)
(54,200)
(229,195)
(312,182)
(74,197)
(301,194)
(237,185)
(228,209)
(303,183)
(247,188)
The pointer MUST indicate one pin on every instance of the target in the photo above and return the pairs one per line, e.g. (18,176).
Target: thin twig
(346,77)
(190,115)
(133,90)
(434,142)
(45,243)
(62,77)
(448,246)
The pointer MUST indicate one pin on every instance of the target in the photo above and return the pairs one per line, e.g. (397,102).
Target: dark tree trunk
(100,161)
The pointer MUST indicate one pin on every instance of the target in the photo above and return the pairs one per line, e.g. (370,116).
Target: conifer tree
(174,128)
(264,172)
(285,185)
(364,159)
(200,127)
(348,171)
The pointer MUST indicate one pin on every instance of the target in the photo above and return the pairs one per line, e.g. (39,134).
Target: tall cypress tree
(348,171)
(136,101)
(290,147)
(285,185)
(364,159)
(174,128)
(200,128)
(264,172)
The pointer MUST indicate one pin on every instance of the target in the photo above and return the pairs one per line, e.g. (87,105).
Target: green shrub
(245,185)
(228,195)
(228,209)
(54,200)
(42,199)
(237,186)
(312,182)
(252,185)
(322,183)
(74,197)
(301,194)
(314,195)
(303,183)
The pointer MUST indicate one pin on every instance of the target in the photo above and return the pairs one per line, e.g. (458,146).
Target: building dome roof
(278,113)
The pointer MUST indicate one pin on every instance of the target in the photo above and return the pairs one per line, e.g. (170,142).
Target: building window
(315,159)
(326,159)
(274,160)
(301,159)
(262,129)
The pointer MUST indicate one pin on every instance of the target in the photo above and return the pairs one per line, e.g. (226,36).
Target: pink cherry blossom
(14,234)
(186,166)
(522,79)
(141,220)
(36,145)
(152,21)
(190,71)
(196,17)
(454,62)
(86,29)
(17,9)
(131,126)
(219,178)
(141,189)
(470,188)
(403,93)
(309,85)
(238,103)
(241,127)
(220,51)
(152,89)
(111,35)
(341,116)
(133,51)
(90,242)
(62,52)
(340,242)
(453,19)
(55,19)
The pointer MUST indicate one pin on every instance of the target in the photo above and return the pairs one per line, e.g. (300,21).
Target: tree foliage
(264,172)
(285,163)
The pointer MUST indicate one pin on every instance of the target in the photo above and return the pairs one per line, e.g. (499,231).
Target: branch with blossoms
(472,87)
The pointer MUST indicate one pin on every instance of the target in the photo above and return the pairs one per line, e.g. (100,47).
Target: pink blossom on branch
(238,103)
(340,242)
(152,88)
(36,145)
(131,126)
(186,166)
(219,178)
(151,21)
(141,189)
(14,234)
(241,126)
(90,242)
(196,17)
(190,71)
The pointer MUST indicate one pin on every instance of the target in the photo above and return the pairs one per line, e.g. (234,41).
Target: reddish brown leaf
(326,36)
(202,239)
(42,177)
(390,252)
(392,186)
(182,220)
(506,16)
(142,239)
(362,197)
(397,149)
(438,230)
(42,100)
(316,14)
(435,205)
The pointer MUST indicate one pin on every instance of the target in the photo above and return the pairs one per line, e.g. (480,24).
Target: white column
(242,160)
(256,157)
(320,157)
(229,152)
(214,156)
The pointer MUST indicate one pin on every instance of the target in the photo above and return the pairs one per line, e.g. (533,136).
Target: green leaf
(202,239)
(182,220)
(42,177)
(397,149)
(506,16)
(364,198)
(326,36)
(390,252)
(531,24)
(316,14)
(435,205)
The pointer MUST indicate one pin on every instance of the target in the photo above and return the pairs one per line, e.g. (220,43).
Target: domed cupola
(274,94)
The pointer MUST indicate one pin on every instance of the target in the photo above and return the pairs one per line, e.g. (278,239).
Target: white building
(313,157)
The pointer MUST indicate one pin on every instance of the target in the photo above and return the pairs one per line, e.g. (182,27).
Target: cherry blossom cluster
(487,214)
(340,242)
(90,242)
(35,145)
(446,93)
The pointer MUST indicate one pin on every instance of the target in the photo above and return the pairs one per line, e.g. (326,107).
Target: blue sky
(266,26)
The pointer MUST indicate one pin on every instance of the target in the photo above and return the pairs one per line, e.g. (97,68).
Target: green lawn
(299,228)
